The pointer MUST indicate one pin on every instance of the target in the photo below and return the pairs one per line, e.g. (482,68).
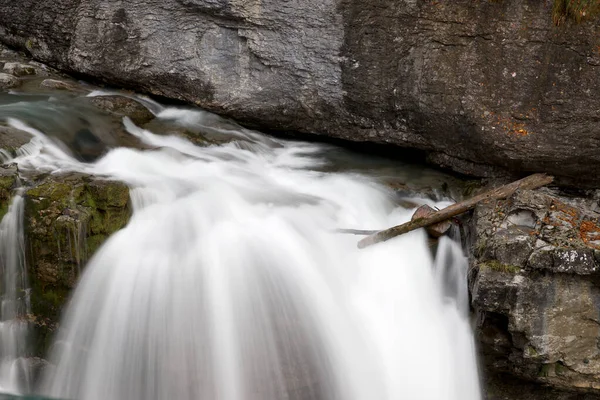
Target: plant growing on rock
(575,10)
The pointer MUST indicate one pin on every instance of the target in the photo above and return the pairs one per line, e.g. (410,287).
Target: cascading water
(230,282)
(14,376)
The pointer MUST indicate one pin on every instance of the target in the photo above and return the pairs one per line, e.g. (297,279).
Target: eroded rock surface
(476,83)
(535,285)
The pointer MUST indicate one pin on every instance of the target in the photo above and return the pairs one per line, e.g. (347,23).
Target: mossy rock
(8,180)
(496,265)
(67,218)
(575,10)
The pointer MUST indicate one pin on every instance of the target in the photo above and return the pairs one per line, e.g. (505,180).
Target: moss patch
(7,183)
(574,10)
(496,265)
(67,219)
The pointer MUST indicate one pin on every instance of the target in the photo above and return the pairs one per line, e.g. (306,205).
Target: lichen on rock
(534,286)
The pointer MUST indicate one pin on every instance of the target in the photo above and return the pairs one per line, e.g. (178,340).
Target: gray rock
(11,139)
(479,83)
(122,106)
(59,85)
(8,81)
(18,69)
(534,289)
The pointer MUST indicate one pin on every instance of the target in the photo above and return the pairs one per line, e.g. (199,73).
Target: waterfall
(14,375)
(230,282)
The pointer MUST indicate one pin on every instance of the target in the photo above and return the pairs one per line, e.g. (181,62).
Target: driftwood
(531,182)
(434,230)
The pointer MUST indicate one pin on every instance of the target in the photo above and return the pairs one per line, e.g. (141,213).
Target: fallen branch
(356,231)
(530,182)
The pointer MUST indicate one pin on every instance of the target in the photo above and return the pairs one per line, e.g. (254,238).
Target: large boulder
(475,83)
(67,218)
(535,286)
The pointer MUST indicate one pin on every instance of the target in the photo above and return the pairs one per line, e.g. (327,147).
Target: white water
(229,282)
(14,376)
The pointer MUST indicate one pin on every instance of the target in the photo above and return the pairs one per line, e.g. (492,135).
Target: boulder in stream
(122,106)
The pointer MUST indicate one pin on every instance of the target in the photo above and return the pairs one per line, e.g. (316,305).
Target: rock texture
(535,286)
(67,218)
(476,83)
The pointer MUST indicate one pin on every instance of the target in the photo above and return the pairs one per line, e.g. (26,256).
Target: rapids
(230,282)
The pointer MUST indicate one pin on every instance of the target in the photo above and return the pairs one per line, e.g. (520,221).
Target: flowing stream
(14,308)
(230,282)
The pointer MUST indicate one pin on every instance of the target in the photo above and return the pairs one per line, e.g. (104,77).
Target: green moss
(544,370)
(67,219)
(531,351)
(574,10)
(553,369)
(496,265)
(46,306)
(7,182)
(560,369)
(94,242)
(103,195)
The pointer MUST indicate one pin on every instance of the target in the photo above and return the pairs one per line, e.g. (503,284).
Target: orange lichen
(511,125)
(564,213)
(590,232)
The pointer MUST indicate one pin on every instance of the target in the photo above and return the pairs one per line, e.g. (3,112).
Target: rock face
(67,218)
(476,83)
(535,286)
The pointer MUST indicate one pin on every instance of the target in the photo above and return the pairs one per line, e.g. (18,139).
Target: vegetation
(498,266)
(574,10)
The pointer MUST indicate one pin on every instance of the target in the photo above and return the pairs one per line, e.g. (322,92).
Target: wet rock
(476,83)
(10,140)
(18,69)
(123,107)
(8,179)
(536,291)
(8,81)
(58,85)
(197,137)
(67,218)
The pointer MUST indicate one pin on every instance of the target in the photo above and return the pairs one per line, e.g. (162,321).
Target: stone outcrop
(67,218)
(475,83)
(535,286)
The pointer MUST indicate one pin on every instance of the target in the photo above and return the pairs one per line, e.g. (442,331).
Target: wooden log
(531,182)
(434,230)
